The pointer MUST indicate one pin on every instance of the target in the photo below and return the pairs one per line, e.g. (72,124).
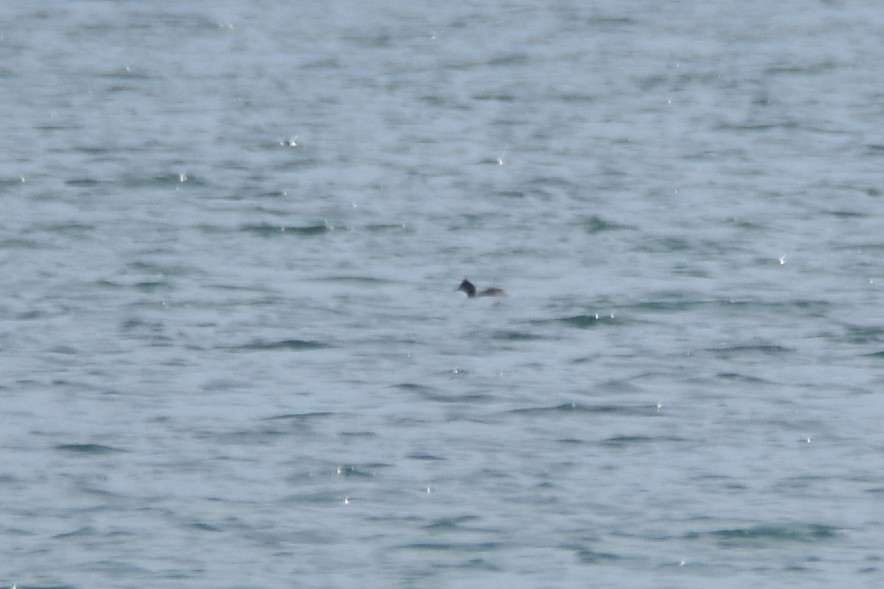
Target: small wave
(267,230)
(777,532)
(737,377)
(576,97)
(629,410)
(358,279)
(423,456)
(426,392)
(766,349)
(368,470)
(383,227)
(623,441)
(12,180)
(204,527)
(151,285)
(73,229)
(455,546)
(596,224)
(299,416)
(585,321)
(512,335)
(592,557)
(82,182)
(286,344)
(87,449)
(451,523)
(844,214)
(83,532)
(413,386)
(176,178)
(667,306)
(581,321)
(863,334)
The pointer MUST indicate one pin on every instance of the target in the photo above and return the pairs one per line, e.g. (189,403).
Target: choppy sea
(232,354)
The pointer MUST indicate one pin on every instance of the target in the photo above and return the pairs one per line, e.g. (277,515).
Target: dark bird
(471,291)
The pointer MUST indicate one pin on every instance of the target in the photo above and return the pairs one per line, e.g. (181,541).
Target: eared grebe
(468,288)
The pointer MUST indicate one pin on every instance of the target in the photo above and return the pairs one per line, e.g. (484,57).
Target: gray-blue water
(233,354)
